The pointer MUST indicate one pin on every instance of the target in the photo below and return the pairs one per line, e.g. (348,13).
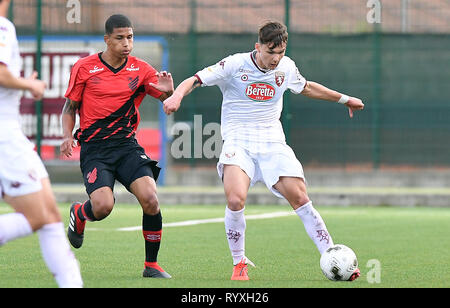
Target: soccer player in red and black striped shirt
(106,90)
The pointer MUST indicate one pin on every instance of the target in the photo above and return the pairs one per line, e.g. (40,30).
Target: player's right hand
(66,146)
(36,86)
(172,103)
(353,104)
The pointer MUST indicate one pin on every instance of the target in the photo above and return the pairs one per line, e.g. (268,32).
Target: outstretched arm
(68,123)
(187,86)
(317,91)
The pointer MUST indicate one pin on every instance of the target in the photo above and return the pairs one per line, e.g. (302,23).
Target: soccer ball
(339,263)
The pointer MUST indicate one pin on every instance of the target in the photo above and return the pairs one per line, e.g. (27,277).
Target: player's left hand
(354,104)
(172,103)
(165,82)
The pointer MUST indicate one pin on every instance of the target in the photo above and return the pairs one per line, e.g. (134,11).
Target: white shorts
(267,166)
(21,168)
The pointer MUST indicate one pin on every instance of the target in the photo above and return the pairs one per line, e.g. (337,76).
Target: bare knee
(294,190)
(36,221)
(296,197)
(102,207)
(149,203)
(299,199)
(37,210)
(236,202)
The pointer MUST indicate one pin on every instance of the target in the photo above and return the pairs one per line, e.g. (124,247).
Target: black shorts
(123,160)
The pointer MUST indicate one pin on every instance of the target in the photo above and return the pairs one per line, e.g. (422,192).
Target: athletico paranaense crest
(279,78)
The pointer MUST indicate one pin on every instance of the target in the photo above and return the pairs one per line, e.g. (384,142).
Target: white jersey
(252,98)
(9,98)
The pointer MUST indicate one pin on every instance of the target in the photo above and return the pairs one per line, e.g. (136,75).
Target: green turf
(411,245)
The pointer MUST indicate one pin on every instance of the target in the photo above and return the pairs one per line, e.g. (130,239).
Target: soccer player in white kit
(24,182)
(254,146)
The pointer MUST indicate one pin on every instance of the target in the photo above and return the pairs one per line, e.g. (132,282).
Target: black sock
(85,211)
(152,230)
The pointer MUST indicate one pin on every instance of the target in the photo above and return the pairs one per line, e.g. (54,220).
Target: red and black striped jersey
(109,97)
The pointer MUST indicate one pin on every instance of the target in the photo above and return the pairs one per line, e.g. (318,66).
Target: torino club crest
(279,78)
(233,235)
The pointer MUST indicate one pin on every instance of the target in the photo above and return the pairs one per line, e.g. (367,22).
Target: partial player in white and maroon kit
(254,146)
(24,182)
(251,111)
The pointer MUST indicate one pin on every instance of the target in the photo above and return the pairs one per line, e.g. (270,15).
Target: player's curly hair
(273,33)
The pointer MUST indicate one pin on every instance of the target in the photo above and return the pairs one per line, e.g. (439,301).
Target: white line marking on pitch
(211,220)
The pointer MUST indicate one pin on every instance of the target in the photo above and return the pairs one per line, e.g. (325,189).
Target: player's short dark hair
(116,21)
(273,33)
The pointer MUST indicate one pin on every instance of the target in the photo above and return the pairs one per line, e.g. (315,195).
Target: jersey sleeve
(7,35)
(217,73)
(77,83)
(151,77)
(296,82)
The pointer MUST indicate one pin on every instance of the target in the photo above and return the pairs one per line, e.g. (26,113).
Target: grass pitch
(396,248)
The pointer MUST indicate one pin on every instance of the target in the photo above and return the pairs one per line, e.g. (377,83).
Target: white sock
(59,257)
(13,226)
(315,226)
(235,230)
